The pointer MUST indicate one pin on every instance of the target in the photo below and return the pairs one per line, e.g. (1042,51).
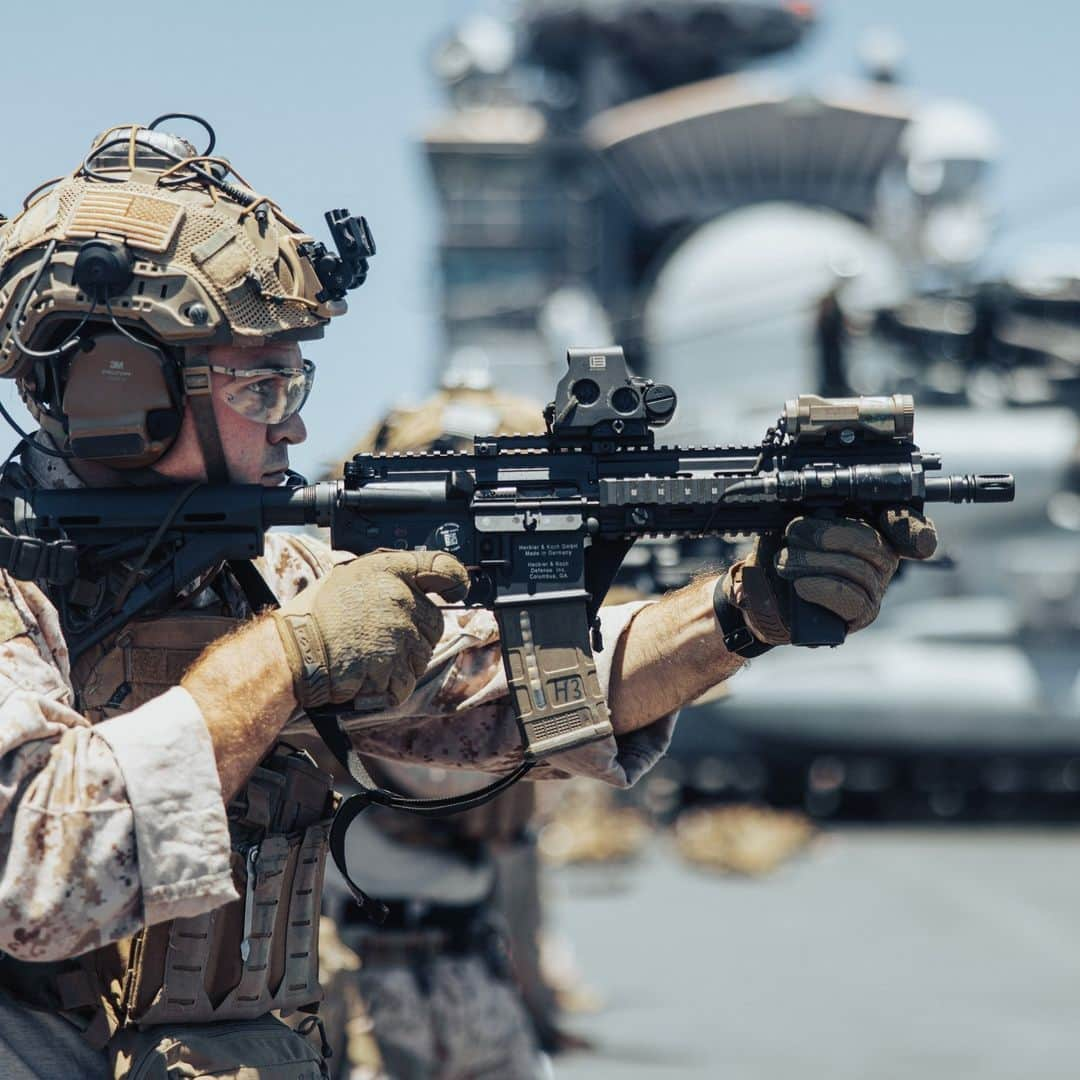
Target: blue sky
(320,105)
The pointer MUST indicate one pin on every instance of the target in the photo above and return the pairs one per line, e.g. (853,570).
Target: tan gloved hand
(368,628)
(842,564)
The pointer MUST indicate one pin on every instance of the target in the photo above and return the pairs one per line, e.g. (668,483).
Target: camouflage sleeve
(459,715)
(102,829)
(290,562)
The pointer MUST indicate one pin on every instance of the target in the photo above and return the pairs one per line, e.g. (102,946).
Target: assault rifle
(542,521)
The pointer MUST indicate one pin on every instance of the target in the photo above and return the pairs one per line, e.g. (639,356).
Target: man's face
(255,453)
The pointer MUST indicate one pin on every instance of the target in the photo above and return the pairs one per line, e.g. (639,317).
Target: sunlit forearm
(670,654)
(244,689)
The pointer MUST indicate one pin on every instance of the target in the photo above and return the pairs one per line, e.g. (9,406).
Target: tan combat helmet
(116,278)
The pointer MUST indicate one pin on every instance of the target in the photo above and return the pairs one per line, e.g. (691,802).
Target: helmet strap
(198,388)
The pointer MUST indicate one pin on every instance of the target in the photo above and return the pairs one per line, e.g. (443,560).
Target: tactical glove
(841,564)
(367,628)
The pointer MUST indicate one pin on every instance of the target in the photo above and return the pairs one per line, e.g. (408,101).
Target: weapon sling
(329,726)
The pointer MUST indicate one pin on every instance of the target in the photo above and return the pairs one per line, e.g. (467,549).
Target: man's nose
(292,431)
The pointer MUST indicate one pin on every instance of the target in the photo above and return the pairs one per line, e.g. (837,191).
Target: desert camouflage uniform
(436,978)
(109,827)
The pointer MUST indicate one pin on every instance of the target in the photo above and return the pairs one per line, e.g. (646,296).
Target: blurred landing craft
(597,183)
(966,704)
(538,246)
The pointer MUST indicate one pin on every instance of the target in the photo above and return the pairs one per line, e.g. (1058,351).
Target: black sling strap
(329,725)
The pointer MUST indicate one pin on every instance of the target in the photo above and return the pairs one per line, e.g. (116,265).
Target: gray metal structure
(590,190)
(584,141)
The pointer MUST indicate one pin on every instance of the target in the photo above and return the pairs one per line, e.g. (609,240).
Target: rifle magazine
(554,688)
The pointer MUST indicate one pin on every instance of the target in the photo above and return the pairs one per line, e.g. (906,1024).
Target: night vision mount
(349,267)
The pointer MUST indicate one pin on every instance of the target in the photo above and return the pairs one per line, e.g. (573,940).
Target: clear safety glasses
(267,395)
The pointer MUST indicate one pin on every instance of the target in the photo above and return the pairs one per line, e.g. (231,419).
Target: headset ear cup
(122,403)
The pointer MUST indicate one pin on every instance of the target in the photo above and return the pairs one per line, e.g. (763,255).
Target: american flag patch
(143,221)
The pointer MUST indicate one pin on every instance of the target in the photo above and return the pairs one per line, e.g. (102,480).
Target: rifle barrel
(971,487)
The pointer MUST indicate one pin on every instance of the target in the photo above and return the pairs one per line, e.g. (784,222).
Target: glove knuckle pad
(827,565)
(842,535)
(848,601)
(910,533)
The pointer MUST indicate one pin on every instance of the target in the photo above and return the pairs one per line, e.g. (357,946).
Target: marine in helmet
(450,982)
(162,846)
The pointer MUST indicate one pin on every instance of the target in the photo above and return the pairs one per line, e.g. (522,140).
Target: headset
(114,397)
(122,401)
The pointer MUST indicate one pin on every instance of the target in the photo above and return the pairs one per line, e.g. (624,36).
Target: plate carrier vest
(256,954)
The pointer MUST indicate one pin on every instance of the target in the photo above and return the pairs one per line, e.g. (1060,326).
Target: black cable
(78,625)
(131,580)
(25,437)
(152,126)
(64,346)
(742,487)
(79,328)
(11,457)
(772,444)
(73,341)
(236,193)
(127,333)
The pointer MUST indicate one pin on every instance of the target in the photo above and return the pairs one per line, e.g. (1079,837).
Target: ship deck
(900,953)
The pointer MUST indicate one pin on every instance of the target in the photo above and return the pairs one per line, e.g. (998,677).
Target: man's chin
(273,479)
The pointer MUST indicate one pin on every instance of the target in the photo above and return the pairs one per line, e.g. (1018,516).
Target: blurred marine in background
(450,984)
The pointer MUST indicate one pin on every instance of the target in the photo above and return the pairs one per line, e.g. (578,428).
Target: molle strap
(182,996)
(198,388)
(266,866)
(300,986)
